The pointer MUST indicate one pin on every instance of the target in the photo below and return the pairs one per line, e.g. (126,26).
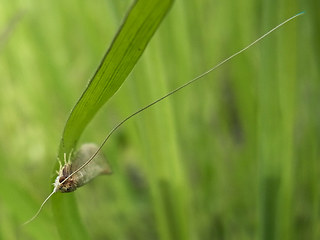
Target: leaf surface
(141,22)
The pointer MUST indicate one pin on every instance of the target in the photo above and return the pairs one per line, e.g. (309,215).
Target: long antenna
(44,202)
(159,100)
(176,90)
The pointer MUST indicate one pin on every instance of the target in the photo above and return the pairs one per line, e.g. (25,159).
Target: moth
(88,161)
(97,167)
(78,172)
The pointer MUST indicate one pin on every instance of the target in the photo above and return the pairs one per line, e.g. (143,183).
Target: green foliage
(141,22)
(235,156)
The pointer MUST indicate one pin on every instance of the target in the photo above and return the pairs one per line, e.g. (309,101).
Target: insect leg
(60,166)
(69,157)
(65,158)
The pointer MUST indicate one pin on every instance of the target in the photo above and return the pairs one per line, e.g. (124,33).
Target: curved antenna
(44,202)
(176,90)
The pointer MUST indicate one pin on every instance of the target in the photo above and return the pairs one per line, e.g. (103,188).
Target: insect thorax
(70,184)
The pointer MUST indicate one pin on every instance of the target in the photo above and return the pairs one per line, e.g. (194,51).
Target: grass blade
(126,49)
(139,26)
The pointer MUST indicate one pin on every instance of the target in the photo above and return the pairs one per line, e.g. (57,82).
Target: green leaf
(140,24)
(128,45)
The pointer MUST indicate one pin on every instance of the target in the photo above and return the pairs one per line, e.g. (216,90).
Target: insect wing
(96,167)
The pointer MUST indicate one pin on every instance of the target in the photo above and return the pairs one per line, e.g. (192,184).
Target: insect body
(73,174)
(99,166)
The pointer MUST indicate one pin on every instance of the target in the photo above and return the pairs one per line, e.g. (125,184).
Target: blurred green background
(234,156)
